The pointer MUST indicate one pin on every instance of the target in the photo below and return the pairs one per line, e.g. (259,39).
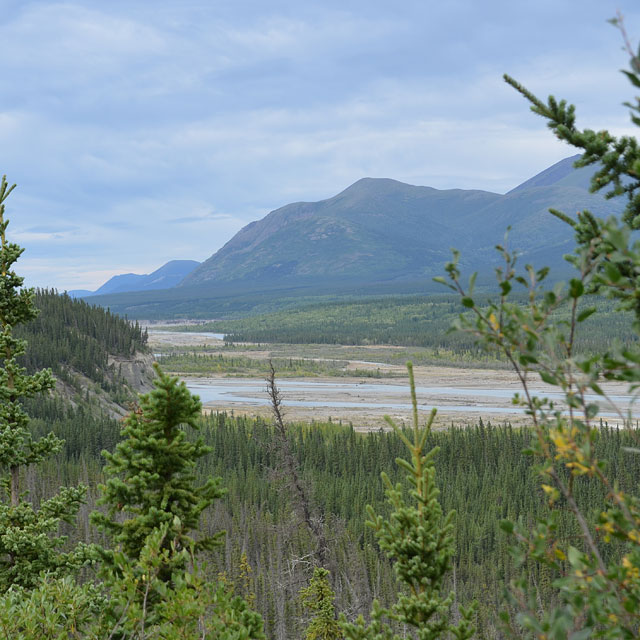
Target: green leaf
(583,315)
(507,526)
(575,557)
(472,281)
(548,377)
(576,288)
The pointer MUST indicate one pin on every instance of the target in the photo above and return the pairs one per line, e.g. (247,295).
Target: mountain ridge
(383,229)
(167,276)
(378,236)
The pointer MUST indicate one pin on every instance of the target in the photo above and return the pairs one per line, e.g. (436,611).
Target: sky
(140,132)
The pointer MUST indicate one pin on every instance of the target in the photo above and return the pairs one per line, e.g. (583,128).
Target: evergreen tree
(28,544)
(319,598)
(151,478)
(419,540)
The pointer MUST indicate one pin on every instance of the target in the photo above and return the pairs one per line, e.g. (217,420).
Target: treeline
(482,472)
(418,321)
(196,363)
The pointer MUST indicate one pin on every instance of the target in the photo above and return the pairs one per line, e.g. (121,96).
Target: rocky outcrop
(129,376)
(136,370)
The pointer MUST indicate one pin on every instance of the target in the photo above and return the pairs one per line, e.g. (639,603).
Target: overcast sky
(145,131)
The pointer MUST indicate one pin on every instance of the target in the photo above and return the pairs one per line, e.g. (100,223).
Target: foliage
(72,337)
(55,608)
(190,609)
(28,540)
(420,542)
(411,321)
(481,470)
(195,363)
(319,598)
(151,477)
(597,575)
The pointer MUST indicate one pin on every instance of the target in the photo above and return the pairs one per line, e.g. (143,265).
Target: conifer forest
(128,512)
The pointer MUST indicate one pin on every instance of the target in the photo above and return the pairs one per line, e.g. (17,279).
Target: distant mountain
(377,228)
(166,277)
(383,230)
(377,237)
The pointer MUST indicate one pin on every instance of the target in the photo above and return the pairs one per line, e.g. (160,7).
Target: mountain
(385,230)
(167,276)
(377,228)
(377,237)
(562,173)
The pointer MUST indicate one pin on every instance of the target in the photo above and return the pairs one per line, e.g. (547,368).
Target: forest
(408,321)
(482,472)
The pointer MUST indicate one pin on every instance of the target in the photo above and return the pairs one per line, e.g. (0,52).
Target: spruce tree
(28,540)
(419,539)
(151,478)
(319,599)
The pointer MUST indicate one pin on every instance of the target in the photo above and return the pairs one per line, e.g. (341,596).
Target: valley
(358,385)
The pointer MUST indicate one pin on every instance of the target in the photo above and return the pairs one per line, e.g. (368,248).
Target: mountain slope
(376,228)
(377,237)
(98,358)
(381,230)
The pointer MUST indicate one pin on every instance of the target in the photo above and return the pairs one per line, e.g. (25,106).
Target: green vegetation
(564,491)
(204,364)
(29,540)
(151,585)
(416,322)
(150,478)
(419,540)
(595,575)
(482,472)
(80,343)
(318,598)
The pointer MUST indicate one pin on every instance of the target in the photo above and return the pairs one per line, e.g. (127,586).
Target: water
(348,395)
(205,334)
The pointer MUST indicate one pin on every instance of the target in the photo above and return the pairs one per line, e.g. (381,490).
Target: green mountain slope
(377,237)
(99,359)
(380,230)
(375,229)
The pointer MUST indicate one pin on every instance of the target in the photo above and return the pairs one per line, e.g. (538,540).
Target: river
(379,396)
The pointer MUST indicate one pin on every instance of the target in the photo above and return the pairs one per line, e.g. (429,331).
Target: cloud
(206,217)
(141,132)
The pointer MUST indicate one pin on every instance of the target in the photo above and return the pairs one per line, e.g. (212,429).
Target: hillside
(381,229)
(99,359)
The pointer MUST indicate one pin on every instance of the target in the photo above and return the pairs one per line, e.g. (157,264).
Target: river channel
(378,398)
(461,395)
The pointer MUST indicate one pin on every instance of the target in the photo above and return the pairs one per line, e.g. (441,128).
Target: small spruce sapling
(419,539)
(319,599)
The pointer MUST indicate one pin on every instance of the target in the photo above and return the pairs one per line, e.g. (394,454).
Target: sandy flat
(462,396)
